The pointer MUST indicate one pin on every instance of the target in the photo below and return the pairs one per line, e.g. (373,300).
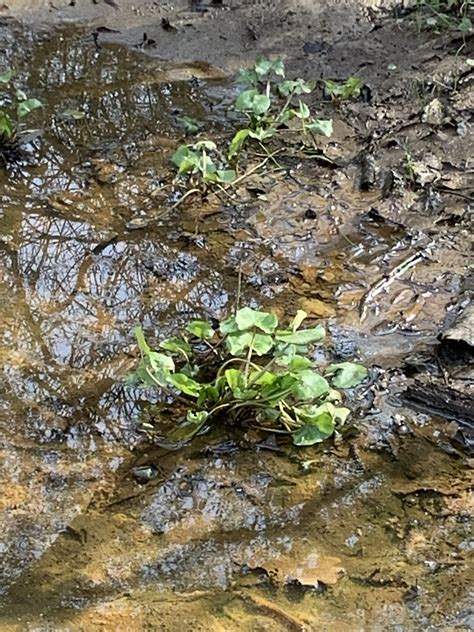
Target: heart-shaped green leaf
(201,329)
(246,318)
(310,385)
(185,384)
(346,374)
(314,432)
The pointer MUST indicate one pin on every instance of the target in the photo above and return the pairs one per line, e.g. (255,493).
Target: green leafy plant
(15,106)
(340,91)
(270,101)
(202,161)
(189,125)
(248,371)
(445,14)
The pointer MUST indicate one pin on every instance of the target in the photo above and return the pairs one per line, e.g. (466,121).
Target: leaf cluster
(15,106)
(344,90)
(270,101)
(202,159)
(249,370)
(445,14)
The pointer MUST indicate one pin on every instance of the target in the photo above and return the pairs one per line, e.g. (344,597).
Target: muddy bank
(370,533)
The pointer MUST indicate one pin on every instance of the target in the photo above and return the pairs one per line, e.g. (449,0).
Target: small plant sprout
(15,106)
(189,125)
(202,162)
(342,91)
(248,372)
(269,102)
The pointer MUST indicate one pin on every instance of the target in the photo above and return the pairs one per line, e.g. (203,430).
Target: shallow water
(342,537)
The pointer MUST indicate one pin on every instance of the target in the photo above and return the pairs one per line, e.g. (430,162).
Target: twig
(267,153)
(175,205)
(253,169)
(384,283)
(272,610)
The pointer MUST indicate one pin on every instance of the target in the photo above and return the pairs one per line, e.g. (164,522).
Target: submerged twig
(384,283)
(272,610)
(253,169)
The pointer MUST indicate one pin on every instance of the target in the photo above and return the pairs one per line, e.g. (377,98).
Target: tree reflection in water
(68,306)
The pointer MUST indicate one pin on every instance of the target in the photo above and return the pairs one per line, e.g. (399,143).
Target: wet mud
(101,529)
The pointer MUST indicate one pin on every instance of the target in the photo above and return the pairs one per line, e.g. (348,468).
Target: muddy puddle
(373,533)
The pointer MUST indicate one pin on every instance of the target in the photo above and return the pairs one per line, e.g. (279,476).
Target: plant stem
(181,199)
(231,361)
(286,106)
(248,359)
(262,371)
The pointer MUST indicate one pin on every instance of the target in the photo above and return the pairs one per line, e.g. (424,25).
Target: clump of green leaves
(445,14)
(202,161)
(15,106)
(343,90)
(248,371)
(270,102)
(189,125)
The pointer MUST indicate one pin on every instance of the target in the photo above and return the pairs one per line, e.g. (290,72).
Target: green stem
(285,107)
(231,361)
(248,360)
(262,371)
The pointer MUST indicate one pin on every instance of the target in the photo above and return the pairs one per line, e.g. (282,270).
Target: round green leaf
(346,374)
(310,385)
(185,384)
(246,318)
(314,432)
(244,101)
(262,343)
(261,104)
(238,342)
(226,175)
(25,107)
(228,326)
(201,329)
